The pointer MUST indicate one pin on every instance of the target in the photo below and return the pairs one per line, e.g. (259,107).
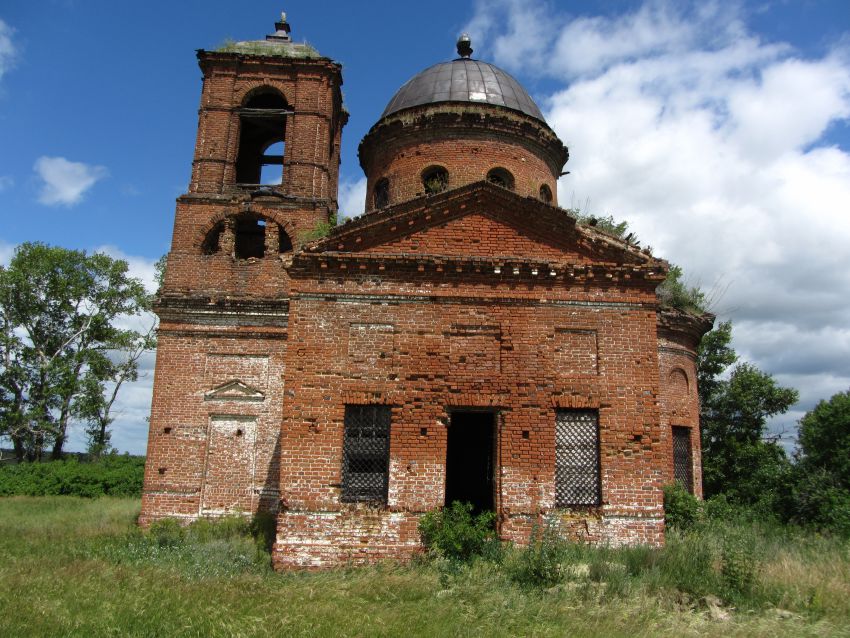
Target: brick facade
(482,308)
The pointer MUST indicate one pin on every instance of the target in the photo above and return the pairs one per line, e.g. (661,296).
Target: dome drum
(469,140)
(470,117)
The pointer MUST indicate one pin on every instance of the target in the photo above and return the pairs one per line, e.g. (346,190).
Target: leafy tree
(738,460)
(715,355)
(61,343)
(824,438)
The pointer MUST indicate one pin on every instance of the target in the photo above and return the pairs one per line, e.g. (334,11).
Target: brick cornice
(507,269)
(226,58)
(683,327)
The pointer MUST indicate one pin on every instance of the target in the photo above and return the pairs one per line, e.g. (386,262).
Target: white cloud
(6,182)
(352,197)
(6,252)
(8,50)
(65,182)
(517,33)
(709,141)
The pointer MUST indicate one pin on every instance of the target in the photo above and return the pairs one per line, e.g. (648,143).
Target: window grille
(366,453)
(577,458)
(682,463)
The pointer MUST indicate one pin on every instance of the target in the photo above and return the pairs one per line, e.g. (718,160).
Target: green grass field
(78,567)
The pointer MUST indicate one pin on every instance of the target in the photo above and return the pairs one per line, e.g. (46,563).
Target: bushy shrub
(540,563)
(111,475)
(454,533)
(718,508)
(681,508)
(816,500)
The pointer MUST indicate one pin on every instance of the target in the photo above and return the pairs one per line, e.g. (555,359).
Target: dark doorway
(469,459)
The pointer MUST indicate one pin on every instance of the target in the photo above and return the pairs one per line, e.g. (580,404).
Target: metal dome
(463,80)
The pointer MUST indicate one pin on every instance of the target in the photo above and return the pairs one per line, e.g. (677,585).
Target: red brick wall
(477,235)
(679,396)
(311,89)
(501,352)
(197,463)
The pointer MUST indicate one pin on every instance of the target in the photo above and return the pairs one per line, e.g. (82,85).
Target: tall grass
(81,567)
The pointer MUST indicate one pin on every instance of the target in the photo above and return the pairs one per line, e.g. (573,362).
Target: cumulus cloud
(6,252)
(352,197)
(8,50)
(711,142)
(65,182)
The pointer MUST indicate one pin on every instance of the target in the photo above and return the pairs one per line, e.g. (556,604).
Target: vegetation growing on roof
(606,224)
(675,292)
(263,47)
(321,229)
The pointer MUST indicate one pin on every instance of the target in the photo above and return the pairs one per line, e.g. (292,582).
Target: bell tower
(264,176)
(265,169)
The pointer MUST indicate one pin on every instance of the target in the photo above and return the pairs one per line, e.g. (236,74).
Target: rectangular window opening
(683,467)
(577,476)
(366,453)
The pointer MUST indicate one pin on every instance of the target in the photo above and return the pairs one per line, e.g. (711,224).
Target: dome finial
(464,46)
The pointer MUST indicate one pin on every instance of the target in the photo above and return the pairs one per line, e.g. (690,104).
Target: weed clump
(540,563)
(454,533)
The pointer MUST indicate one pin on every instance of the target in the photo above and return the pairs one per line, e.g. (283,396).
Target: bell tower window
(501,177)
(250,237)
(262,131)
(382,193)
(271,168)
(435,179)
(246,236)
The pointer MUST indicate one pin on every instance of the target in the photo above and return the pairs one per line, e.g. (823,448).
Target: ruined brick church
(463,339)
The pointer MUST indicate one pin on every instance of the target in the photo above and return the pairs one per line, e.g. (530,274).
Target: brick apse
(464,339)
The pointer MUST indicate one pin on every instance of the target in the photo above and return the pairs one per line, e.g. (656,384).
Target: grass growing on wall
(72,566)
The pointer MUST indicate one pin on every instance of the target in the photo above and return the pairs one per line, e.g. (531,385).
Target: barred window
(683,467)
(577,458)
(366,453)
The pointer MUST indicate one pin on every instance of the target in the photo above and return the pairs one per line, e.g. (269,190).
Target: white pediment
(234,391)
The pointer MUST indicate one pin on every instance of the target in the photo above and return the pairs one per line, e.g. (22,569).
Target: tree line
(66,346)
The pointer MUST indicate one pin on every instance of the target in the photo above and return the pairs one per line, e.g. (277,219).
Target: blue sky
(718,130)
